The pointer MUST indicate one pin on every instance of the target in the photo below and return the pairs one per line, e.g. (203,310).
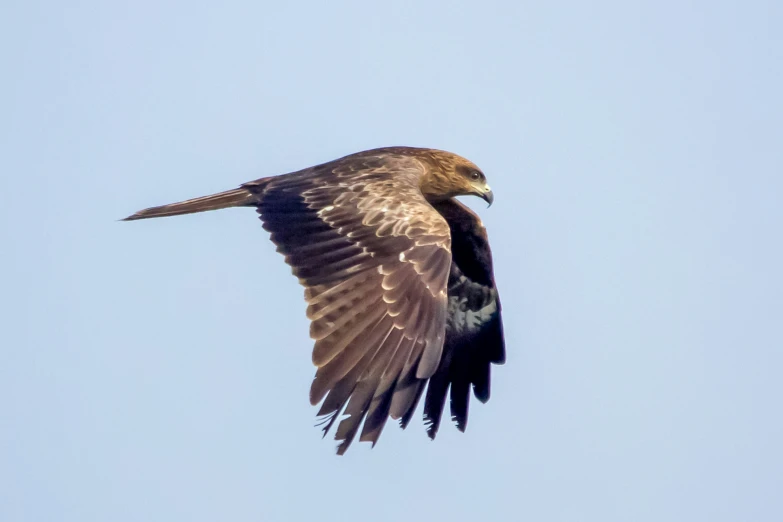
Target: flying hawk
(398,280)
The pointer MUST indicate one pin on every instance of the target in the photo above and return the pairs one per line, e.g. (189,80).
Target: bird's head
(451,175)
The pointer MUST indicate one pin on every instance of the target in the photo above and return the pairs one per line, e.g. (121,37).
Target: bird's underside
(398,281)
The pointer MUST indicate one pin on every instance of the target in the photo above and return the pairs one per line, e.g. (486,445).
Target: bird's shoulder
(380,185)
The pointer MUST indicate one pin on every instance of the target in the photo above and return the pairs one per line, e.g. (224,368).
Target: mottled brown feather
(397,277)
(384,259)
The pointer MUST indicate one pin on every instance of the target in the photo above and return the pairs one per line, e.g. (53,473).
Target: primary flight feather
(398,281)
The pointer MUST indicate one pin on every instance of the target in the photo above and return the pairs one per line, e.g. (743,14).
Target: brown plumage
(398,281)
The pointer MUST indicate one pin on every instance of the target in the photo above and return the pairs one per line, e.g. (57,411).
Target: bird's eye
(475,175)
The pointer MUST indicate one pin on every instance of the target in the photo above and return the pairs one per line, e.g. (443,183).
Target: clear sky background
(159,370)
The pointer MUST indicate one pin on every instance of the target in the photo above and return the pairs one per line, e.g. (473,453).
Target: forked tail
(231,198)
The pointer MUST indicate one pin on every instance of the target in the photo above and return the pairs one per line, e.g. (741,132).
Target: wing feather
(374,258)
(326,377)
(368,396)
(474,329)
(327,349)
(378,412)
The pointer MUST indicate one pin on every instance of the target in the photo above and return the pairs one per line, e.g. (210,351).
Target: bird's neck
(435,186)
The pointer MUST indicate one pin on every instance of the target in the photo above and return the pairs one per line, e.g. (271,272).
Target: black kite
(398,280)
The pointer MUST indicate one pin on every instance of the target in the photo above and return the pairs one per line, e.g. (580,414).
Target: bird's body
(397,276)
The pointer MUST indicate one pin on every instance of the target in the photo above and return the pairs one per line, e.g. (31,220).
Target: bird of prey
(398,281)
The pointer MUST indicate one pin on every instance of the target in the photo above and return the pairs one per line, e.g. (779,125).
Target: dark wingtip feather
(376,417)
(480,377)
(406,419)
(434,404)
(460,400)
(327,421)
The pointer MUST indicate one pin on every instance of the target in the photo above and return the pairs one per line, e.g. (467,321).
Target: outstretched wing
(474,329)
(374,258)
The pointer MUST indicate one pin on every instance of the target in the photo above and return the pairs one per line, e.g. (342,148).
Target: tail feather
(231,198)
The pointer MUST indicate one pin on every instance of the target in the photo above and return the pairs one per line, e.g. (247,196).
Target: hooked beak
(488,196)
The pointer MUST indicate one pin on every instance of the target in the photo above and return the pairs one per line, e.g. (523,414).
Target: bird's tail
(231,198)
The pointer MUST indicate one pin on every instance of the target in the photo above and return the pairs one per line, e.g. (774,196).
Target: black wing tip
(460,422)
(432,420)
(483,398)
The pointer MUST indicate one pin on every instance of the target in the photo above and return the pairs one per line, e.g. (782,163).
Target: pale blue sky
(159,370)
